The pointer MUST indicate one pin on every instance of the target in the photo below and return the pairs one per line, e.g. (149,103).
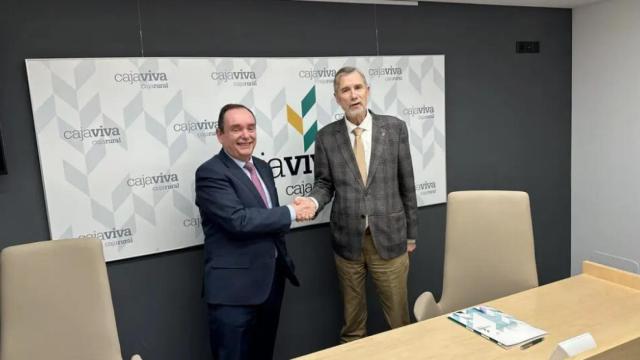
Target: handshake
(305,208)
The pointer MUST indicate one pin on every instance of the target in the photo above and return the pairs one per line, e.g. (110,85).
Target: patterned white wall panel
(119,139)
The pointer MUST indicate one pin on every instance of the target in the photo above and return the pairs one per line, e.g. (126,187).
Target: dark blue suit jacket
(241,234)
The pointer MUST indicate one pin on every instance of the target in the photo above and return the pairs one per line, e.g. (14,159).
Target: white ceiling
(535,3)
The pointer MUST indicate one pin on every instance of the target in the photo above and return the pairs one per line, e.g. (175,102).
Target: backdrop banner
(119,139)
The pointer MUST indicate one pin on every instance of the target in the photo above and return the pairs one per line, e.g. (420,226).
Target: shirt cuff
(292,212)
(411,241)
(315,202)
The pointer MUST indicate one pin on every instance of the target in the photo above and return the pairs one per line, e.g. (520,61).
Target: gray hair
(346,71)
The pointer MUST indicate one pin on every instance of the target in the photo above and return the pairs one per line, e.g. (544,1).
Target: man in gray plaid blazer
(363,162)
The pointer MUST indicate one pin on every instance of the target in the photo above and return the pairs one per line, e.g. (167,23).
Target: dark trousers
(246,332)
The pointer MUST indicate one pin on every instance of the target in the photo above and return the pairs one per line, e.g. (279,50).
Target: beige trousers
(390,279)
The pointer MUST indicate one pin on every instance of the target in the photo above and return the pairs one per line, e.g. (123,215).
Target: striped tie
(256,182)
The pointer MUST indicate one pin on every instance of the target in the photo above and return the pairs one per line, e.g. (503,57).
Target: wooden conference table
(602,301)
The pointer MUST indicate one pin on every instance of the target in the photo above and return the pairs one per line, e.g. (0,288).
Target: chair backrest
(56,302)
(489,249)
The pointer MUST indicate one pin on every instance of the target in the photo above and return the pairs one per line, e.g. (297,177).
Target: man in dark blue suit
(245,256)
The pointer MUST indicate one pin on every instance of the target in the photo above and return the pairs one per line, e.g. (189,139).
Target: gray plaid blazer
(388,198)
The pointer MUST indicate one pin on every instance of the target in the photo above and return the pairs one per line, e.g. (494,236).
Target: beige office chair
(56,302)
(489,251)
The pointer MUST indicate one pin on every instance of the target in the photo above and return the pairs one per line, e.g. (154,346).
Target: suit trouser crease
(390,278)
(247,332)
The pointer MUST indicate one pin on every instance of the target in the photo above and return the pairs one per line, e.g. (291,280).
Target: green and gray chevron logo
(297,121)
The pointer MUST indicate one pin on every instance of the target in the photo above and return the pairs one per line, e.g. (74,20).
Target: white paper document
(497,326)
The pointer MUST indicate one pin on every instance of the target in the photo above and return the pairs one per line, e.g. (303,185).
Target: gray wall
(508,127)
(605,135)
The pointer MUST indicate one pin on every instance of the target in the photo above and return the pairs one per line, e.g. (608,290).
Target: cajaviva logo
(236,78)
(197,128)
(84,133)
(241,75)
(145,79)
(385,71)
(324,75)
(142,76)
(427,187)
(113,233)
(159,181)
(419,111)
(297,120)
(97,136)
(112,237)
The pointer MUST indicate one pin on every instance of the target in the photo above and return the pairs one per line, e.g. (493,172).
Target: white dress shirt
(366,136)
(240,163)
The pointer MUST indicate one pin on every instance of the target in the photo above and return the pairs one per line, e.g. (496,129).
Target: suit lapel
(378,144)
(344,143)
(241,176)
